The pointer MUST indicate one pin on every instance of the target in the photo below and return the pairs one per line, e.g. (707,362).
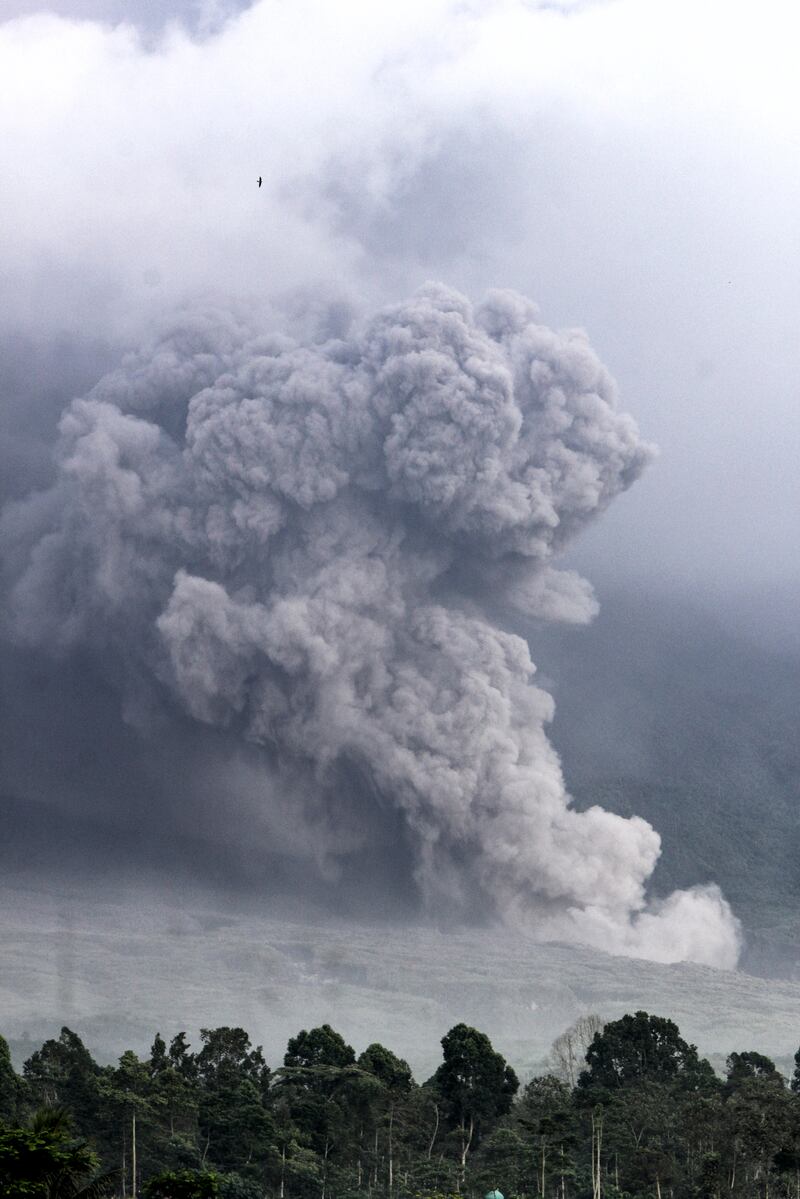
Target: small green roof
(494,1195)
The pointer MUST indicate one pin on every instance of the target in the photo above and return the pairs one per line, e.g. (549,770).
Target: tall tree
(763,1122)
(323,1085)
(63,1073)
(159,1061)
(321,1046)
(129,1124)
(476,1085)
(643,1046)
(235,1127)
(227,1058)
(395,1081)
(181,1057)
(743,1067)
(545,1111)
(11,1088)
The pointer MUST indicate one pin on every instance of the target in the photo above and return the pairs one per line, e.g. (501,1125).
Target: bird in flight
(259,181)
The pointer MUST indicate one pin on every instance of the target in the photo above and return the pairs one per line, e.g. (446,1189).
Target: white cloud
(130,171)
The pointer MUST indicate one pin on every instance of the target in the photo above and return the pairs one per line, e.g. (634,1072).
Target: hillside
(119,968)
(661,711)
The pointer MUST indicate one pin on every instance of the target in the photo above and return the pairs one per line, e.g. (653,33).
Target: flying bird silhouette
(259,181)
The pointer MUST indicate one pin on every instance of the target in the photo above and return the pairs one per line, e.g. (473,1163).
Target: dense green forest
(628,1109)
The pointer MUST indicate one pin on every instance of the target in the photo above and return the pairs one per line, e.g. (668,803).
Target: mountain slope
(662,712)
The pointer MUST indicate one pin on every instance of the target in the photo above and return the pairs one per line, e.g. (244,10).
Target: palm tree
(44,1161)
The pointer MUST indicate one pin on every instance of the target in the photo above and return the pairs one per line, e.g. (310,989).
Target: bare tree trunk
(133,1154)
(360,1168)
(544,1159)
(325,1166)
(375,1164)
(391,1151)
(283,1171)
(597,1144)
(466,1141)
(435,1131)
(658,1187)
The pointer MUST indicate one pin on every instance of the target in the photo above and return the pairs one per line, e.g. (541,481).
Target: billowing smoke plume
(301,542)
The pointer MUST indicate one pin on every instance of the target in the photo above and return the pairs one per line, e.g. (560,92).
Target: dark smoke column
(296,543)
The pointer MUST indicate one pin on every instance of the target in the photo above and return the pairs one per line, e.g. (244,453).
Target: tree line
(628,1110)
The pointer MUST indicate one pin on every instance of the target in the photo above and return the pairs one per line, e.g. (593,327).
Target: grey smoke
(301,543)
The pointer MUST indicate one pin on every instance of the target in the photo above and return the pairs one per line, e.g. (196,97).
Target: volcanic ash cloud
(299,542)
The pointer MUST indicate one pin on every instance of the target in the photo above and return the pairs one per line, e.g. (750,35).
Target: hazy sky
(630,165)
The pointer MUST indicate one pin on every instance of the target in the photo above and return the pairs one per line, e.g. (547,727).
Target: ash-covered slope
(120,969)
(666,711)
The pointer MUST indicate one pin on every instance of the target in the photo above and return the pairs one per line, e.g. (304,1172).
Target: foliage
(743,1067)
(638,1047)
(43,1160)
(647,1119)
(11,1087)
(474,1081)
(183,1184)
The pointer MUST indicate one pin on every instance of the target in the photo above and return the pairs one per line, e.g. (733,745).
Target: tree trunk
(133,1154)
(597,1144)
(283,1171)
(435,1131)
(375,1165)
(466,1141)
(360,1169)
(391,1151)
(325,1167)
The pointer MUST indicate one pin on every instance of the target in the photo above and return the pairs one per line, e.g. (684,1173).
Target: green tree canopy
(474,1080)
(392,1071)
(235,1127)
(321,1046)
(228,1059)
(63,1074)
(639,1047)
(181,1057)
(183,1184)
(10,1086)
(45,1162)
(159,1061)
(743,1067)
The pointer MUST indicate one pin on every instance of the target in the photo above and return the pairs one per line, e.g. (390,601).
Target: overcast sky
(631,165)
